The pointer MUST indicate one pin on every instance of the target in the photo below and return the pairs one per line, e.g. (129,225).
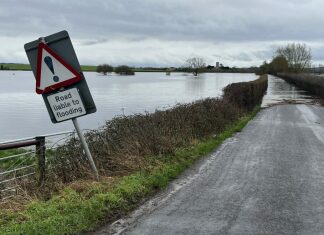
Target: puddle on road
(281,92)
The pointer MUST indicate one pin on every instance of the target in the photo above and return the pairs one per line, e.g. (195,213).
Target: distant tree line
(194,65)
(2,67)
(294,58)
(122,69)
(197,65)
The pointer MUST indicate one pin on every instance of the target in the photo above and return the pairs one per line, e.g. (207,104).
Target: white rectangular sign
(66,104)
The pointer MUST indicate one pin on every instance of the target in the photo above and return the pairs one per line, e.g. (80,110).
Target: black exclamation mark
(48,61)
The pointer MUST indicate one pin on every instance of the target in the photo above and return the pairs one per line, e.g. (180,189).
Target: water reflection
(280,91)
(23,113)
(195,84)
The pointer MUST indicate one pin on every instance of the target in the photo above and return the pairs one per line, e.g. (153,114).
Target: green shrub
(124,70)
(104,69)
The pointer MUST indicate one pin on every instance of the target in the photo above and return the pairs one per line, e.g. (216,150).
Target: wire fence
(24,160)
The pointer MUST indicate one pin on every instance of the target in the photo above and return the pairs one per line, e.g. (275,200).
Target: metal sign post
(60,49)
(61,82)
(85,147)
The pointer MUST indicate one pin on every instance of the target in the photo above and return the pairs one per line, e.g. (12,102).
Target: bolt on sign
(60,81)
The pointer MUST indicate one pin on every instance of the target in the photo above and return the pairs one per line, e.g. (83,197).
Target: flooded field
(23,113)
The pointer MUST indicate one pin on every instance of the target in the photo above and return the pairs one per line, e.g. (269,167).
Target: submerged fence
(25,159)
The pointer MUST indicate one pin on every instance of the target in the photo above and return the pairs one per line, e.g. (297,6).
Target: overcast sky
(164,32)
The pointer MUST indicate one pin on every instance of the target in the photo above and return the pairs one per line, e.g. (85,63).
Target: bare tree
(298,56)
(195,65)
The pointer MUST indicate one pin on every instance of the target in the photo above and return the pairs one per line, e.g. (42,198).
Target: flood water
(280,91)
(23,113)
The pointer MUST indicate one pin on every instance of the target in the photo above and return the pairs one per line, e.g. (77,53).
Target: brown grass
(246,94)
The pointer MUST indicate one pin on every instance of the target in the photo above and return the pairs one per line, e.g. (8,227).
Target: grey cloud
(264,54)
(99,22)
(318,53)
(231,20)
(93,42)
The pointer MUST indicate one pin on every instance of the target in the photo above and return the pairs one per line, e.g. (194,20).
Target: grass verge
(15,66)
(6,153)
(73,211)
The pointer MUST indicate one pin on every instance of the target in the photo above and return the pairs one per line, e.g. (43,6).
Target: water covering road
(280,92)
(268,179)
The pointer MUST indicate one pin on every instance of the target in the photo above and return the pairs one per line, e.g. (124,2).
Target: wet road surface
(280,92)
(268,179)
(259,182)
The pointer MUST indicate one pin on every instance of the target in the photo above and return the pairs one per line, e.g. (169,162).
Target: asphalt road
(268,179)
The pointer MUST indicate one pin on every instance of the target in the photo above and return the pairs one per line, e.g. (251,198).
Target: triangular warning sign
(52,71)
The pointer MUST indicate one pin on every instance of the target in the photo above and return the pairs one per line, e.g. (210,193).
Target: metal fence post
(40,153)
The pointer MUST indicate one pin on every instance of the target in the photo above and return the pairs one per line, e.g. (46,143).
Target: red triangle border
(56,86)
